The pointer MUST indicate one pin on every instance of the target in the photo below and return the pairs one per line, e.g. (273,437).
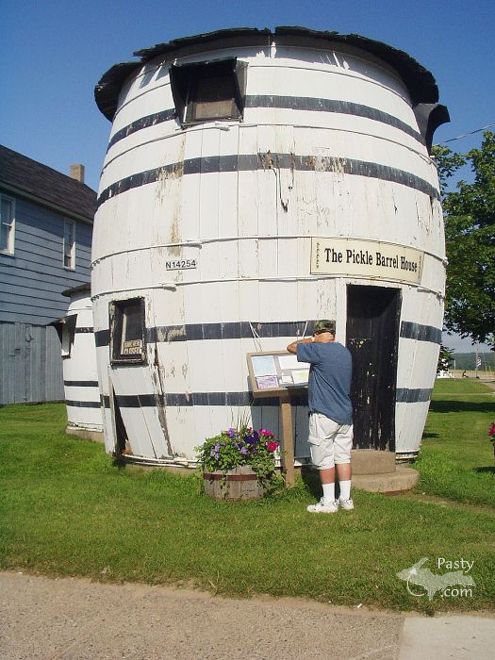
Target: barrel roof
(82,288)
(418,80)
(26,177)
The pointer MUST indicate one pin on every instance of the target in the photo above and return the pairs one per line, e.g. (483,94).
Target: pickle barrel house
(256,181)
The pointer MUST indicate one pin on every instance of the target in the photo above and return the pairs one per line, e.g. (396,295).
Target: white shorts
(330,443)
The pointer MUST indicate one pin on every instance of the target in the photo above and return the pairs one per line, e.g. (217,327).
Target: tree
(470,239)
(445,359)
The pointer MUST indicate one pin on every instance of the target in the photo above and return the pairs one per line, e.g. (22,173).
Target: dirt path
(72,618)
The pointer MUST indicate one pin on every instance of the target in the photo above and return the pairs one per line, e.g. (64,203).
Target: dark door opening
(373,316)
(122,442)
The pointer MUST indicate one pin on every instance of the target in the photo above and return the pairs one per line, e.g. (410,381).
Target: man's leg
(343,446)
(322,456)
(344,471)
(344,474)
(327,478)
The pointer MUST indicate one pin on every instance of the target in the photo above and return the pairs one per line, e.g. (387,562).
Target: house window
(69,244)
(209,91)
(127,331)
(7,224)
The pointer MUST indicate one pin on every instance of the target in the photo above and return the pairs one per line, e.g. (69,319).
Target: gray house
(46,225)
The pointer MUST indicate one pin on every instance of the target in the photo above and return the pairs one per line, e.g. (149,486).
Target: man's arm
(292,348)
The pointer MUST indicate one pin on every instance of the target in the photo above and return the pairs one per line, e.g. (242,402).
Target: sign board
(366,258)
(273,373)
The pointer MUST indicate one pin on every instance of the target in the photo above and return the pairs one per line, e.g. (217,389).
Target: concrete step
(401,479)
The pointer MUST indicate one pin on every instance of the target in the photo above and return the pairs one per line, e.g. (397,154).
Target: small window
(209,91)
(69,244)
(7,224)
(127,327)
(68,334)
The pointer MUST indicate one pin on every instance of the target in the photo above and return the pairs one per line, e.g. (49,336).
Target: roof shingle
(45,184)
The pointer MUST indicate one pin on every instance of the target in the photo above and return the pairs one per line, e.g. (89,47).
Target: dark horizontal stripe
(182,399)
(81,383)
(404,395)
(144,122)
(280,102)
(83,404)
(242,330)
(330,105)
(136,401)
(411,330)
(264,161)
(234,330)
(102,338)
(84,330)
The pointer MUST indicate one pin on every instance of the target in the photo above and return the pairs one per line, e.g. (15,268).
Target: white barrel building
(82,395)
(254,182)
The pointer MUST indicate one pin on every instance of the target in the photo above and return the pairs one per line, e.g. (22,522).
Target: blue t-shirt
(329,382)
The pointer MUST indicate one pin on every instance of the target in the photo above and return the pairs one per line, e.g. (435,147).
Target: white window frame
(71,265)
(9,226)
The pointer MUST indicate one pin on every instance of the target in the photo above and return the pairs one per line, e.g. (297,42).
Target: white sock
(329,492)
(345,490)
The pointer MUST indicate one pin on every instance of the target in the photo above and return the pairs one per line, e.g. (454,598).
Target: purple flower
(244,451)
(215,451)
(251,440)
(231,432)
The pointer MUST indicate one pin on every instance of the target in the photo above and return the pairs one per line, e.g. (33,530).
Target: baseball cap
(325,325)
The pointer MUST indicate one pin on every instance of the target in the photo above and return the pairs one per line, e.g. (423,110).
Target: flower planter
(240,483)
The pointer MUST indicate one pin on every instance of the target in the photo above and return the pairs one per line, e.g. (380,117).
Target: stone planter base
(238,484)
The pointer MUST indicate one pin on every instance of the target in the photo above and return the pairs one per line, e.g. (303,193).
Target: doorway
(373,317)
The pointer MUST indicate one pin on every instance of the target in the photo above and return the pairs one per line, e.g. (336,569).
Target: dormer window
(209,91)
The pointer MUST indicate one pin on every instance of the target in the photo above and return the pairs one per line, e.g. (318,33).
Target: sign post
(287,440)
(277,374)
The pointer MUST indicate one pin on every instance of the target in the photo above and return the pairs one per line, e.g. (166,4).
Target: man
(330,419)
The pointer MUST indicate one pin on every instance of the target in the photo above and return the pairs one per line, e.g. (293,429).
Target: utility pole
(478,359)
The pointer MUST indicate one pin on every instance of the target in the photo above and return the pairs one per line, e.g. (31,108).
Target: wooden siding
(33,278)
(31,285)
(31,366)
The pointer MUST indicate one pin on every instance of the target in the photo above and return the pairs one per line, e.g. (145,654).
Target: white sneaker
(347,505)
(323,507)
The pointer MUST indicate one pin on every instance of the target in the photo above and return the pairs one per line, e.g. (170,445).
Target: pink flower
(491,430)
(265,433)
(272,446)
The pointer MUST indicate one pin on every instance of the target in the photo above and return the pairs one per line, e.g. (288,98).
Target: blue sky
(53,53)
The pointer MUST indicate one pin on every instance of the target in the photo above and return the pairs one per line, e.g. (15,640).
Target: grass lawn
(457,460)
(66,509)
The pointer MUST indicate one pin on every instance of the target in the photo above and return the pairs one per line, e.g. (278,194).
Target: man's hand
(292,348)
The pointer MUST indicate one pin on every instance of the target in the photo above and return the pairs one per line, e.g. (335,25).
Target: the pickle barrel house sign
(366,258)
